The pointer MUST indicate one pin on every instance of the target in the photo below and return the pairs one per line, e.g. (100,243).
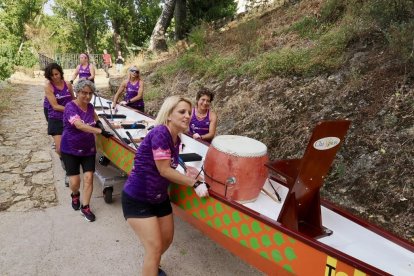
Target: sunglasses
(134,71)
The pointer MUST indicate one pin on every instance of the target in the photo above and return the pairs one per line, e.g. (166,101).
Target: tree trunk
(117,36)
(157,41)
(180,17)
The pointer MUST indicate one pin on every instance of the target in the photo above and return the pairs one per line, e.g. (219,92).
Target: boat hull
(263,246)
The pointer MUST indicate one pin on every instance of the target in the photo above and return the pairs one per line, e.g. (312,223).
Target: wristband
(198,183)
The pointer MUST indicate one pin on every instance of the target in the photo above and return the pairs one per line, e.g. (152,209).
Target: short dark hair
(204,91)
(49,68)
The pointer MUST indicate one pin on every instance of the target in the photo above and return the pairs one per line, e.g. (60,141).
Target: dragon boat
(268,213)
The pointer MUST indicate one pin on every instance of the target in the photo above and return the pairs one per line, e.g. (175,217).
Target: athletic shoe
(67,181)
(75,201)
(161,272)
(87,213)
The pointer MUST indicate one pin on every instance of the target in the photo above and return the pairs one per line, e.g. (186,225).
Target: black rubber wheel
(104,161)
(107,192)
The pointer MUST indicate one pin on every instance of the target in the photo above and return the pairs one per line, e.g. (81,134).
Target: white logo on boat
(326,143)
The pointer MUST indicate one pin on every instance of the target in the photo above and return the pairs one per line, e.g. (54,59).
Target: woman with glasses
(78,145)
(85,70)
(134,87)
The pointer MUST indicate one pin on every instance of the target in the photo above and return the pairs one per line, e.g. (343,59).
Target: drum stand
(304,177)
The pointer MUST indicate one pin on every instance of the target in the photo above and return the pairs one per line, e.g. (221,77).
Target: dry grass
(6,91)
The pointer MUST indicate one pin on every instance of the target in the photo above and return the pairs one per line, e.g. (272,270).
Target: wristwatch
(198,183)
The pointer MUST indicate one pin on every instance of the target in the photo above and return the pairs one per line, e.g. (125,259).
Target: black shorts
(73,162)
(54,127)
(139,209)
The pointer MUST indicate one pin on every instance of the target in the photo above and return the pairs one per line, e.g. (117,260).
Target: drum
(234,167)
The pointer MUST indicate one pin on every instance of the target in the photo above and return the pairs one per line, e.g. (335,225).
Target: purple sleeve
(70,115)
(160,146)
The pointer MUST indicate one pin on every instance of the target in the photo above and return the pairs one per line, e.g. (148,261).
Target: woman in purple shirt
(78,145)
(85,70)
(203,120)
(134,88)
(145,201)
(58,93)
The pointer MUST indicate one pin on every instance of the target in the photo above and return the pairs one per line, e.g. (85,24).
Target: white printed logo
(326,143)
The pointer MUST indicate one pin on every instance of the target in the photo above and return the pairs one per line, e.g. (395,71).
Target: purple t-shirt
(145,182)
(75,141)
(132,91)
(199,126)
(84,72)
(46,103)
(62,97)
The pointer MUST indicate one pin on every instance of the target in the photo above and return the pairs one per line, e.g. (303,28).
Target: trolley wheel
(107,192)
(103,161)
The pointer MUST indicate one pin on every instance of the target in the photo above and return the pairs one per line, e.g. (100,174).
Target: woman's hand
(201,190)
(197,136)
(123,103)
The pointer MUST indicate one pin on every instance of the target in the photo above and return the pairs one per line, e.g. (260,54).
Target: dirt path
(40,234)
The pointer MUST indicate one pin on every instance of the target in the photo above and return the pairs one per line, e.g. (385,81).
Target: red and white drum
(235,167)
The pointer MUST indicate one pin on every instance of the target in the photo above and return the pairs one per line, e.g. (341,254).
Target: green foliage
(332,11)
(281,62)
(15,16)
(209,10)
(387,12)
(152,93)
(222,67)
(88,18)
(306,27)
(6,55)
(198,37)
(401,40)
(26,57)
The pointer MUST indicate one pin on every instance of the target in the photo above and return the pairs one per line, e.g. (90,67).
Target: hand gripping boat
(269,213)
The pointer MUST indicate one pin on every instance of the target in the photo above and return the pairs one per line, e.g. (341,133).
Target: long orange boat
(269,213)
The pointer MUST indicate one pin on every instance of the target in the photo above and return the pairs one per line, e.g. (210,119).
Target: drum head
(240,146)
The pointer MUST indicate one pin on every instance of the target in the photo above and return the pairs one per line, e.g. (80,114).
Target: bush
(332,11)
(152,93)
(6,58)
(383,12)
(400,37)
(306,27)
(198,37)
